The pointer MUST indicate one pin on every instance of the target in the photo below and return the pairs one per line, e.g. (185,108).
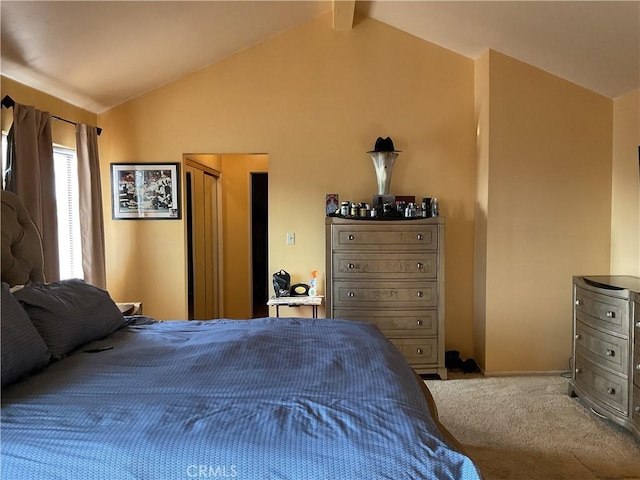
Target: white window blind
(65,166)
(69,242)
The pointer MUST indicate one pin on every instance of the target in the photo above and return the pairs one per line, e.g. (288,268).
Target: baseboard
(547,373)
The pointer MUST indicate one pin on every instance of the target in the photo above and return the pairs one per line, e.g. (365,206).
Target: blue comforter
(257,399)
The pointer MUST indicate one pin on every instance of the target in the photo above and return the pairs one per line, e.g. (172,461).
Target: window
(65,166)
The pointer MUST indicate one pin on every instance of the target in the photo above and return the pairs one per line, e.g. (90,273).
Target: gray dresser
(606,356)
(391,274)
(635,412)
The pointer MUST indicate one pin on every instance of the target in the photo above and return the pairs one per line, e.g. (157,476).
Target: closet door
(202,244)
(210,232)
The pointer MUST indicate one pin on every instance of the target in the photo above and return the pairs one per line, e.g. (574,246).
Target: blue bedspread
(266,398)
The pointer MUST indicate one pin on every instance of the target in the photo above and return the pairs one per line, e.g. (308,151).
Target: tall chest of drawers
(606,356)
(391,274)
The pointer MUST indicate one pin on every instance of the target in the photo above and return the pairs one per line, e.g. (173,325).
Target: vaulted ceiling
(99,54)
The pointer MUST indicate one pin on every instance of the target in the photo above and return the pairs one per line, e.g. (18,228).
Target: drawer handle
(351,237)
(611,391)
(420,294)
(578,302)
(610,353)
(351,294)
(637,409)
(611,314)
(419,351)
(578,370)
(637,324)
(420,236)
(578,336)
(420,266)
(351,266)
(420,322)
(638,367)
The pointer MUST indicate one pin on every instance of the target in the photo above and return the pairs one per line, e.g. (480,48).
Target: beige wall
(548,210)
(64,134)
(625,200)
(314,100)
(520,159)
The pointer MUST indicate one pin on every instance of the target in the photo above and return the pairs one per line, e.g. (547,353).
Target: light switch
(291,238)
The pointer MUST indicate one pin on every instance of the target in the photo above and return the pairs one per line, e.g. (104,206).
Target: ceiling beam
(343,11)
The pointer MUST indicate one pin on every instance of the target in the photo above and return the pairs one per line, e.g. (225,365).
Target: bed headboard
(22,259)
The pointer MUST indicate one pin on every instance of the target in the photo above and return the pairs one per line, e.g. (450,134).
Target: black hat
(384,145)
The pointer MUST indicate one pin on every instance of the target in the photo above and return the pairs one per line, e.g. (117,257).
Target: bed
(89,393)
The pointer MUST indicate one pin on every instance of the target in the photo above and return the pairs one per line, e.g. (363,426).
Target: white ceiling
(97,55)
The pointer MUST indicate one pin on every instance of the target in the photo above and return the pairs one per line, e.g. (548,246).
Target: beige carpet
(528,428)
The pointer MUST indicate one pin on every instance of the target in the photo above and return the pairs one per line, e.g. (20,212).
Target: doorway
(235,242)
(259,243)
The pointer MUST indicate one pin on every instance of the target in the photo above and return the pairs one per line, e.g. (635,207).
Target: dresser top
(614,282)
(331,220)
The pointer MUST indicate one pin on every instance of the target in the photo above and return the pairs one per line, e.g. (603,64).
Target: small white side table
(130,308)
(302,301)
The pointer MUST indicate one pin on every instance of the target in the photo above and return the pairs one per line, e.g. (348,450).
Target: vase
(383,163)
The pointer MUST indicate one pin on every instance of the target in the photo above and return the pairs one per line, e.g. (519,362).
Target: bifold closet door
(202,225)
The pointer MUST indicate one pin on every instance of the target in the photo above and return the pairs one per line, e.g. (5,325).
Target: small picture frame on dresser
(332,203)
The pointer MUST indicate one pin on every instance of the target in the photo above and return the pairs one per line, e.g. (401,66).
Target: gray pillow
(70,313)
(23,349)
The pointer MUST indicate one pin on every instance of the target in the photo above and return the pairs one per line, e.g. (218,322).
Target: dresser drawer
(602,311)
(605,350)
(391,237)
(391,295)
(418,350)
(396,323)
(605,387)
(412,266)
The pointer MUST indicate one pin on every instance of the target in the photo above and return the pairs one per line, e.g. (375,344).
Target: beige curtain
(90,192)
(31,177)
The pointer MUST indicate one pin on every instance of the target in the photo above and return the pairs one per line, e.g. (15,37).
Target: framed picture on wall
(149,191)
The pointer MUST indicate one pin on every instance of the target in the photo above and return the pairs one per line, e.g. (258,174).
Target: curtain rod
(8,102)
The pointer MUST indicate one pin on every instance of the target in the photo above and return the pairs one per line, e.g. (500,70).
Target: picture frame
(145,191)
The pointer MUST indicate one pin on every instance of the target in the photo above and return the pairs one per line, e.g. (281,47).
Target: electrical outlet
(291,238)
